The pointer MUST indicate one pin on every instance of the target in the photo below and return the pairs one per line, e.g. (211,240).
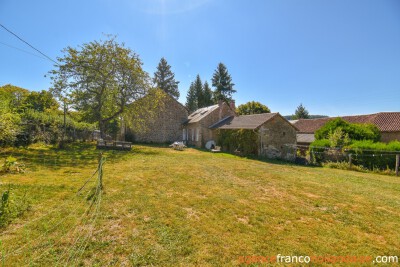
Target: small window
(284,133)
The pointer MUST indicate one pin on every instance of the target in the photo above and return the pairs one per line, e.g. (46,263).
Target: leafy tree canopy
(252,107)
(353,130)
(100,78)
(164,79)
(13,97)
(41,101)
(9,127)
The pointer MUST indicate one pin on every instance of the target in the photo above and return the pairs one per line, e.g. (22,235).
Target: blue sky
(337,57)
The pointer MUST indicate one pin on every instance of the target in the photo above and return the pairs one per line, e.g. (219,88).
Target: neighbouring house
(388,124)
(196,131)
(165,123)
(276,136)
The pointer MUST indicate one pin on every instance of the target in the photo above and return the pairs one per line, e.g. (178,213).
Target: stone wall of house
(277,139)
(202,133)
(390,136)
(166,126)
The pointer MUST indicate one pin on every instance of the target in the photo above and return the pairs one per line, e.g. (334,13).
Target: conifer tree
(198,87)
(301,113)
(191,98)
(222,82)
(164,79)
(207,95)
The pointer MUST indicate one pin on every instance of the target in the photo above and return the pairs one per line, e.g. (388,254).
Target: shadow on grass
(258,158)
(76,155)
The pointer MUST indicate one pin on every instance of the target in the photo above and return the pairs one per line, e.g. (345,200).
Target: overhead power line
(22,50)
(31,46)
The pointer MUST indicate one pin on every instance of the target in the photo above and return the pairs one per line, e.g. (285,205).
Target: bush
(317,150)
(242,140)
(354,130)
(343,165)
(49,128)
(9,128)
(321,143)
(374,156)
(338,138)
(377,146)
(11,206)
(12,165)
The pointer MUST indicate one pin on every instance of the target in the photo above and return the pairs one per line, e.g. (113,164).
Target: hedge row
(368,154)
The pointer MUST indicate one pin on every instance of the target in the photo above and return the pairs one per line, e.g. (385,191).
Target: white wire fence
(60,235)
(380,160)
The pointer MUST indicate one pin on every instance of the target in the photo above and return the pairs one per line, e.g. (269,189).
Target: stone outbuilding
(165,123)
(276,136)
(196,130)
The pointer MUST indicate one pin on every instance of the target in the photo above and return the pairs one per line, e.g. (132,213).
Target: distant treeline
(289,117)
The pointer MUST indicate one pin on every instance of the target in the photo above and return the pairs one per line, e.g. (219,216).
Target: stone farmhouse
(200,128)
(171,122)
(276,136)
(166,124)
(197,132)
(388,124)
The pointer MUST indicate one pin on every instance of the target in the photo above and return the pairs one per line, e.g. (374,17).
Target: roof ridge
(260,114)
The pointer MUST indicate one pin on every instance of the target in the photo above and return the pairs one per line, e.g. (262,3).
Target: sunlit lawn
(163,207)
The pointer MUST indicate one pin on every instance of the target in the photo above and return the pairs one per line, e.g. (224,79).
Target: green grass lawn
(162,207)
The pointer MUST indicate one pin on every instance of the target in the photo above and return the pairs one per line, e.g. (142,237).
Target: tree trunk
(102,129)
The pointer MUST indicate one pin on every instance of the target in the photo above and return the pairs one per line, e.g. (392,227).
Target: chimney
(232,105)
(220,102)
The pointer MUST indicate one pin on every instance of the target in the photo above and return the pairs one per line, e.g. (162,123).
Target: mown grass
(163,207)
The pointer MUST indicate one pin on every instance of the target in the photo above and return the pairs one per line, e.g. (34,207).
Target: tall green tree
(164,79)
(14,97)
(222,82)
(207,95)
(191,98)
(198,88)
(41,101)
(199,95)
(301,113)
(9,127)
(252,107)
(101,78)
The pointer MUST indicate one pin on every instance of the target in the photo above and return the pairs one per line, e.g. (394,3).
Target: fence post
(350,160)
(397,164)
(101,170)
(312,156)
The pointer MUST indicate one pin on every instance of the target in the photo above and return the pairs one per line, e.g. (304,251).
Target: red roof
(385,121)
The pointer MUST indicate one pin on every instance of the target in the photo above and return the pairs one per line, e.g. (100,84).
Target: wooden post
(397,164)
(100,170)
(312,156)
(350,160)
